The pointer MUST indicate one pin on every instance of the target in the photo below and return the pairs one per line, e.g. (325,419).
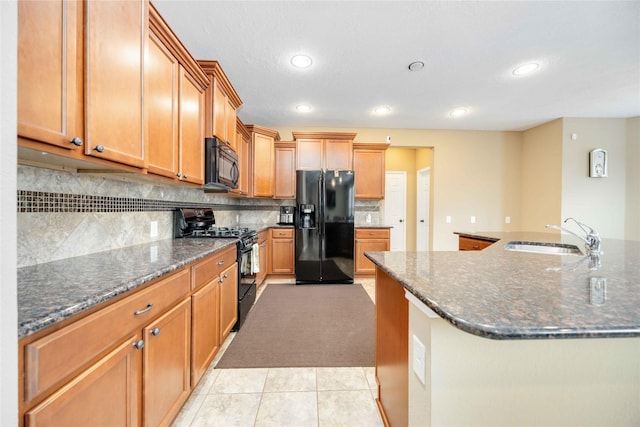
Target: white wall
(598,202)
(632,226)
(8,296)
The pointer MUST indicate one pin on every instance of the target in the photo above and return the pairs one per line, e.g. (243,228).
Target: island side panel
(392,328)
(482,382)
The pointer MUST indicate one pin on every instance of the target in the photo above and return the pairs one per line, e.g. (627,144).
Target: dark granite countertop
(502,294)
(51,292)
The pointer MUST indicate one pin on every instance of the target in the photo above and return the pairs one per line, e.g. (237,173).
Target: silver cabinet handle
(99,148)
(155,332)
(139,344)
(76,141)
(144,310)
(222,279)
(221,262)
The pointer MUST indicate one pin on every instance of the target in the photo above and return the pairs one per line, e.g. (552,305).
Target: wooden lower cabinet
(228,300)
(369,239)
(205,328)
(263,253)
(166,366)
(106,394)
(282,251)
(471,244)
(392,350)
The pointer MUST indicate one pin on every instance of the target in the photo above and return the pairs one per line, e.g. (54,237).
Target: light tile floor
(297,397)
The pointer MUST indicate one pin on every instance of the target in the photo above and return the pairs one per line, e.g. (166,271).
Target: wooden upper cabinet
(262,167)
(369,170)
(285,170)
(115,39)
(49,78)
(161,105)
(328,151)
(243,138)
(222,102)
(174,106)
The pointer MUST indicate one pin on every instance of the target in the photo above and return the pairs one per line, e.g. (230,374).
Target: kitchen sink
(543,248)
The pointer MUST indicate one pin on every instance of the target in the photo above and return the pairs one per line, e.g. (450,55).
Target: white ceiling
(589,51)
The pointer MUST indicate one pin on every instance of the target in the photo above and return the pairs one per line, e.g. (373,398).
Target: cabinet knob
(178,174)
(76,141)
(139,345)
(221,262)
(155,332)
(99,148)
(222,279)
(185,176)
(144,310)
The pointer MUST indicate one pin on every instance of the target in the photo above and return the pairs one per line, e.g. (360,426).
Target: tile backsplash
(65,214)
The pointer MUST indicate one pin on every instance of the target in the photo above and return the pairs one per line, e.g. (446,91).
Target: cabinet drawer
(212,266)
(282,233)
(468,244)
(372,233)
(55,357)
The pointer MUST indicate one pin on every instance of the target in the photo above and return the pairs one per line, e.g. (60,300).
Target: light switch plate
(419,359)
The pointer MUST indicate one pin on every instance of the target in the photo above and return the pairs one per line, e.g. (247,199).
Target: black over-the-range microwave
(221,165)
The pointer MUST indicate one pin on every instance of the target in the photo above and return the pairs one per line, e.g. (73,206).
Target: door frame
(404,208)
(423,198)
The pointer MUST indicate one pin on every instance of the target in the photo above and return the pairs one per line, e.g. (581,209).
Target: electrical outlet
(419,355)
(153,229)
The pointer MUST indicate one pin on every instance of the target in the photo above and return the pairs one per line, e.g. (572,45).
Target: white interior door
(395,208)
(422,209)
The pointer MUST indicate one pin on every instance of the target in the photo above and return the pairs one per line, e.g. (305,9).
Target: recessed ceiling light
(303,108)
(526,69)
(458,112)
(301,61)
(416,66)
(382,110)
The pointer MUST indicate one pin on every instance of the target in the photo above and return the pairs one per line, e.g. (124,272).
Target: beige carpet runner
(305,326)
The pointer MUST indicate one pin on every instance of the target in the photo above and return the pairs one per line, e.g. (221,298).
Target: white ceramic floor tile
(294,409)
(290,379)
(239,381)
(189,411)
(341,379)
(370,374)
(226,410)
(206,381)
(348,408)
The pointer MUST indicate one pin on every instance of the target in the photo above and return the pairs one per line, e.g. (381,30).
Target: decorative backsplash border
(41,201)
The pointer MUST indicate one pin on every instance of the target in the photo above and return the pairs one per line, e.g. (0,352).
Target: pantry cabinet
(222,102)
(328,151)
(282,251)
(285,170)
(262,164)
(369,170)
(369,239)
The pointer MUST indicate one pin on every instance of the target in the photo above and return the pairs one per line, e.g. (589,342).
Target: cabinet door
(161,107)
(368,167)
(263,256)
(282,252)
(228,300)
(309,154)
(362,264)
(191,130)
(230,123)
(242,148)
(48,85)
(337,154)
(106,394)
(114,46)
(219,107)
(205,328)
(285,173)
(166,365)
(262,166)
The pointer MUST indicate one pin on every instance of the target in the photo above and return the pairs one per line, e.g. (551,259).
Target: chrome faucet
(591,239)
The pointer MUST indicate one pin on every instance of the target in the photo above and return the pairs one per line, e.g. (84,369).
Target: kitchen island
(509,338)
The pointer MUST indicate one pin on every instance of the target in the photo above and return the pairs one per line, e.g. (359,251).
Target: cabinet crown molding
(214,69)
(324,135)
(370,145)
(264,131)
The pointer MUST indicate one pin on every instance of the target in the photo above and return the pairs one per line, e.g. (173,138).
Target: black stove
(200,223)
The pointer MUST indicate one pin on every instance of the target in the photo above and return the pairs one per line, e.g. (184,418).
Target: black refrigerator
(324,226)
